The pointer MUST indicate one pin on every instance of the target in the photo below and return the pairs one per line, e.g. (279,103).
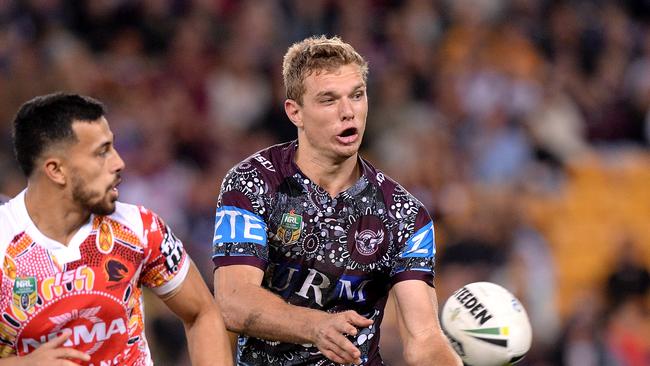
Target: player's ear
(294,112)
(54,170)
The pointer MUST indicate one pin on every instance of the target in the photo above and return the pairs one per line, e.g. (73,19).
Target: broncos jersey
(327,253)
(92,287)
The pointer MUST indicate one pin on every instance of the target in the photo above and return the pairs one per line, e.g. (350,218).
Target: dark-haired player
(74,260)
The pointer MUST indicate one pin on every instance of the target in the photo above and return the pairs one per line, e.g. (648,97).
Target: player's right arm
(241,254)
(252,310)
(51,353)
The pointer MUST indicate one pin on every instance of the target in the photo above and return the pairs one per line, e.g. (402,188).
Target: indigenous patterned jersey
(91,287)
(332,254)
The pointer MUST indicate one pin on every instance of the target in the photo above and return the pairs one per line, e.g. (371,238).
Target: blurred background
(523,126)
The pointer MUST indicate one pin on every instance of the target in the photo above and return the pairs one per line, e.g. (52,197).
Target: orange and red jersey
(91,287)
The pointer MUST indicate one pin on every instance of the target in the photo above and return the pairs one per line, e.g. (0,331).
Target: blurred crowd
(523,125)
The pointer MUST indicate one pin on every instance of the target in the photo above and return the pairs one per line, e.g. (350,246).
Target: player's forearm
(207,340)
(429,349)
(257,312)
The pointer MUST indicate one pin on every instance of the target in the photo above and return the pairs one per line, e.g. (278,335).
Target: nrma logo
(92,331)
(236,225)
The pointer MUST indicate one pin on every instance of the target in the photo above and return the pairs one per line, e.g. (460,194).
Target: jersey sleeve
(166,262)
(415,260)
(240,230)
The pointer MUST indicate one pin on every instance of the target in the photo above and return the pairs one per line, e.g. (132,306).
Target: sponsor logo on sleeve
(421,244)
(172,249)
(236,225)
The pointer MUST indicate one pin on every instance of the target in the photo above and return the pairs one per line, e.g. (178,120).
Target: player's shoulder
(7,223)
(133,217)
(270,164)
(12,220)
(396,198)
(390,188)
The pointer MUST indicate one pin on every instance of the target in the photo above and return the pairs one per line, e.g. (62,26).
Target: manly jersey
(331,254)
(91,287)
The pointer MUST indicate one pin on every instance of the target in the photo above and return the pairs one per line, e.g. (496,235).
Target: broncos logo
(115,270)
(368,241)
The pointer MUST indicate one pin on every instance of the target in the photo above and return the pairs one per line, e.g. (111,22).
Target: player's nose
(345,109)
(118,163)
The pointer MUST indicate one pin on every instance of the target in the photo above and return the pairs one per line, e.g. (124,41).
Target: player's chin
(348,151)
(105,207)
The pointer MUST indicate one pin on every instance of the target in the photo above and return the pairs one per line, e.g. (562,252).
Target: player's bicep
(417,312)
(190,298)
(228,279)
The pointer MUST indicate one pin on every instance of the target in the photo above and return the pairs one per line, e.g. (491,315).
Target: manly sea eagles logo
(368,241)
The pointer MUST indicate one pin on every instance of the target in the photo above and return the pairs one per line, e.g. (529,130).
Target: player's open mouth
(348,136)
(113,187)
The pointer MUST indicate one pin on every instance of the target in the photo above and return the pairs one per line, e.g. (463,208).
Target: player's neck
(333,176)
(54,216)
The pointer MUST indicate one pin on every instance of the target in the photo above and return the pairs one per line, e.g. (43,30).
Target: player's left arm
(208,342)
(417,314)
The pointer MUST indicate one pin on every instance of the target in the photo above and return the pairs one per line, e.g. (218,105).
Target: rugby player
(75,260)
(310,239)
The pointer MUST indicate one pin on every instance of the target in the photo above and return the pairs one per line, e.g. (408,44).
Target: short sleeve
(166,262)
(240,230)
(416,257)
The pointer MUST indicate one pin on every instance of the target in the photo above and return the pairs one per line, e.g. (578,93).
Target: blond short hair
(314,54)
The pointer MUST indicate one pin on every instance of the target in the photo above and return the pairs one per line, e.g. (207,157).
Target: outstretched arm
(252,310)
(207,339)
(417,314)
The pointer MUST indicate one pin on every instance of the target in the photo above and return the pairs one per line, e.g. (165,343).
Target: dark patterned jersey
(331,254)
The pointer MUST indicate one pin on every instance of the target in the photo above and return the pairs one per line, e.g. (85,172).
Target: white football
(486,325)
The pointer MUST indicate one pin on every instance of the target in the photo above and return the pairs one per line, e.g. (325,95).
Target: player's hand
(330,336)
(53,354)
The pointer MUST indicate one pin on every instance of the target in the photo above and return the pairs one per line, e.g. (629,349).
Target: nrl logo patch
(290,228)
(24,293)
